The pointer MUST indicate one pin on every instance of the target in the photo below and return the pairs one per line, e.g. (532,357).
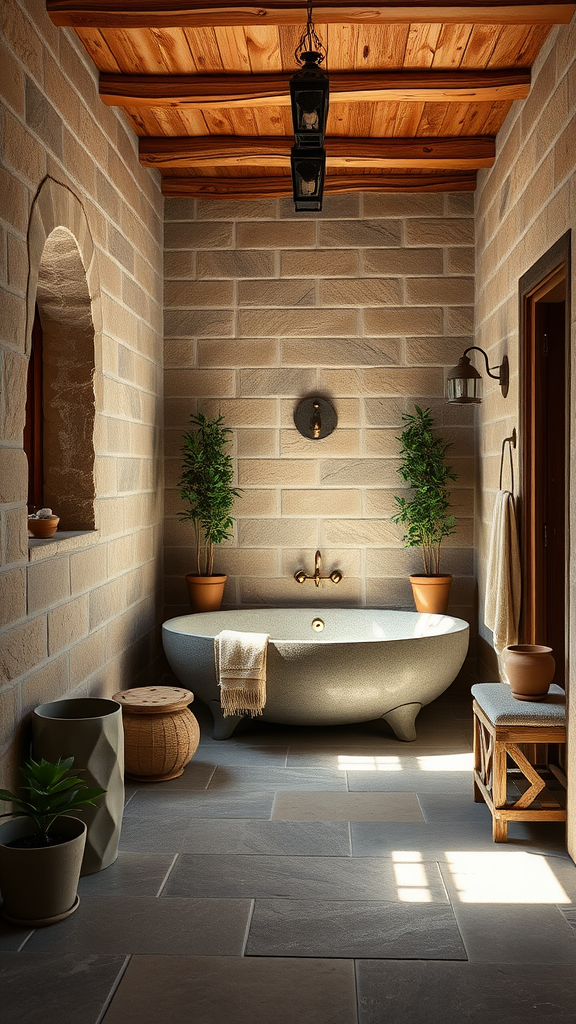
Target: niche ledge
(63,540)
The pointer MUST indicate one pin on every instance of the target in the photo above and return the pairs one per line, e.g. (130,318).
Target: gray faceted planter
(89,729)
(39,884)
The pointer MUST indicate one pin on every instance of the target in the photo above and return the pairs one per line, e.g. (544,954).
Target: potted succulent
(426,514)
(206,488)
(41,850)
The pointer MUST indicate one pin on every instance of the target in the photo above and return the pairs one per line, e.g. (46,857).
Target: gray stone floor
(312,876)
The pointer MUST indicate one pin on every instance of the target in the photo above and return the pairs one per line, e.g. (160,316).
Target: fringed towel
(241,671)
(503,583)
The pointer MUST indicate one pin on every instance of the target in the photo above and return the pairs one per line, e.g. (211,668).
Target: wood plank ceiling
(418,92)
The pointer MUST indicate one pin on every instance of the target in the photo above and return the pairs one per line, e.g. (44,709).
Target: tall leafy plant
(206,487)
(426,514)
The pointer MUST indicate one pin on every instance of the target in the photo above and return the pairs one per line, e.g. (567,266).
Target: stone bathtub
(328,666)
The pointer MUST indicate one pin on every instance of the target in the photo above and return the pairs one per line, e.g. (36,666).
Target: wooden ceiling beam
(270,188)
(205,91)
(460,153)
(189,14)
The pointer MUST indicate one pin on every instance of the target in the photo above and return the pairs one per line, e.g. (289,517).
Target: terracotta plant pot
(43,527)
(39,884)
(431,593)
(529,669)
(205,592)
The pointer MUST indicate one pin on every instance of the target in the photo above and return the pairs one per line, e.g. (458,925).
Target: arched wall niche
(63,282)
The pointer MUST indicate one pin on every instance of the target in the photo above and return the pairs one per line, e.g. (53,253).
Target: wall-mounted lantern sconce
(309,94)
(464,383)
(308,169)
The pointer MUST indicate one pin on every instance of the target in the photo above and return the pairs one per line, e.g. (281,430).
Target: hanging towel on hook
(503,582)
(241,671)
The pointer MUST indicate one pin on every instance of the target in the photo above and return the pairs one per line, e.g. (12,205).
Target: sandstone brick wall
(366,304)
(524,205)
(78,615)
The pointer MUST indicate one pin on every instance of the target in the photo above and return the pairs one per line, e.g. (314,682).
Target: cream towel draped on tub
(503,584)
(241,671)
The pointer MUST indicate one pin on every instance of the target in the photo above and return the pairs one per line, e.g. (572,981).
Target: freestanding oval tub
(363,663)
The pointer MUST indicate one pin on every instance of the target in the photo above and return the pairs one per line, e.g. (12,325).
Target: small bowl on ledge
(43,528)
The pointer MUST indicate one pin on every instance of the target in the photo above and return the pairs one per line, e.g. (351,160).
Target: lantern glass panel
(464,390)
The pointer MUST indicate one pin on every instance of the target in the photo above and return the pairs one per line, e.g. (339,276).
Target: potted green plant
(426,514)
(206,488)
(41,850)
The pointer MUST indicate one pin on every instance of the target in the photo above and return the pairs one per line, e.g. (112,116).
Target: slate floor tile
(196,775)
(12,936)
(515,933)
(188,805)
(229,752)
(377,737)
(347,807)
(454,807)
(52,988)
(153,835)
(274,779)
(352,758)
(139,924)
(297,838)
(410,781)
(436,840)
(336,928)
(411,992)
(132,874)
(323,878)
(241,990)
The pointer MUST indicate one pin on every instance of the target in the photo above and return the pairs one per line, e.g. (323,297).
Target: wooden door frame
(534,284)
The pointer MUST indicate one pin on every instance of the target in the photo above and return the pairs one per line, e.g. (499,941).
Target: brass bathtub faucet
(301,576)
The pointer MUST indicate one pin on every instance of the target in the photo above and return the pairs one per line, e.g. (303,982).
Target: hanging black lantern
(308,169)
(309,92)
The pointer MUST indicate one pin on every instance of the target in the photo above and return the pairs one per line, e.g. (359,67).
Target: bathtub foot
(223,727)
(402,720)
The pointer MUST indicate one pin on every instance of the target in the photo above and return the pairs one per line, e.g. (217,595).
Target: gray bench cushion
(502,708)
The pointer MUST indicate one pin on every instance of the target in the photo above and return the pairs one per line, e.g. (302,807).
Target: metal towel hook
(511,442)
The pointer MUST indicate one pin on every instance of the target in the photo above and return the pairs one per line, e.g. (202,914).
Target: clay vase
(205,592)
(89,729)
(431,593)
(43,527)
(529,669)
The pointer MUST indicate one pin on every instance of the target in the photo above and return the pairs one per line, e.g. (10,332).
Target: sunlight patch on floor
(446,762)
(504,878)
(368,764)
(411,878)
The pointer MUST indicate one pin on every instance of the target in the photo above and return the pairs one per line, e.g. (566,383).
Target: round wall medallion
(315,418)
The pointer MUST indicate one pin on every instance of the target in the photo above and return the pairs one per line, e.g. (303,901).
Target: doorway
(544,422)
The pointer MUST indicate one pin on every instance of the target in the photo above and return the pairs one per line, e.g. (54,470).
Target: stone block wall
(523,206)
(79,614)
(366,304)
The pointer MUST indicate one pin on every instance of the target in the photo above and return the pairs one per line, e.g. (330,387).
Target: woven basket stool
(501,725)
(161,734)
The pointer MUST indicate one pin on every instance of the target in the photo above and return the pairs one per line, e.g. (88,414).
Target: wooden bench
(518,750)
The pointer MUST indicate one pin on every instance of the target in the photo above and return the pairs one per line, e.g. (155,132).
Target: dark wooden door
(550,434)
(544,295)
